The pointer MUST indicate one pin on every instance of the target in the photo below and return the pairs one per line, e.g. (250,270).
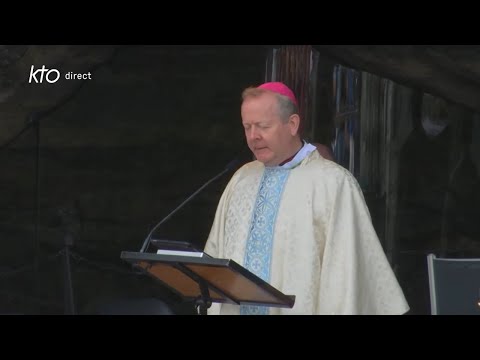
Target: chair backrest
(454,285)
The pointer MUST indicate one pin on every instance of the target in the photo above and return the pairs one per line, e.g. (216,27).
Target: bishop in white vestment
(302,226)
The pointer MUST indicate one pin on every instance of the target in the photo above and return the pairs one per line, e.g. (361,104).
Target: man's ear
(294,123)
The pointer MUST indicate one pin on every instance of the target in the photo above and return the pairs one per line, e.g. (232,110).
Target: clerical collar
(289,159)
(298,157)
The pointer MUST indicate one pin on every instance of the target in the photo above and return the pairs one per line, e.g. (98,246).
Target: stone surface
(117,153)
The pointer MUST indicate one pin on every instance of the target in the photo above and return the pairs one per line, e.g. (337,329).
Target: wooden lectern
(205,280)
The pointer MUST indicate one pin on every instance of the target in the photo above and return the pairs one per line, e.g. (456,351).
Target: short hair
(285,106)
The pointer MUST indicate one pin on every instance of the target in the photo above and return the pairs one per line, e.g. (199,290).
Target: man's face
(270,139)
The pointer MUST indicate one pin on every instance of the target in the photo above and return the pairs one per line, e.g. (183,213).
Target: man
(299,221)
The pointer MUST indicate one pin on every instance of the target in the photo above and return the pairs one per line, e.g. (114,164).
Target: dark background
(117,154)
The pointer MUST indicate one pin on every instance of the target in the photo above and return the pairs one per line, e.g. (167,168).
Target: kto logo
(51,75)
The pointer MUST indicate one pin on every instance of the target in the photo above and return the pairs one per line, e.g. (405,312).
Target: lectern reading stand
(205,280)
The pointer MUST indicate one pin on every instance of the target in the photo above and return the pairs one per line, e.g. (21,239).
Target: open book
(180,253)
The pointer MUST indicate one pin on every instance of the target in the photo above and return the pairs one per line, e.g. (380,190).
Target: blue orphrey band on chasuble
(258,252)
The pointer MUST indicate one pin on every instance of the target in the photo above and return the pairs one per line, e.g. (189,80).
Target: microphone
(230,166)
(34,117)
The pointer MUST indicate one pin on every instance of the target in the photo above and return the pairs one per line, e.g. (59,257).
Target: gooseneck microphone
(230,166)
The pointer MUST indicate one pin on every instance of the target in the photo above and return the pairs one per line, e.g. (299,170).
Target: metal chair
(454,285)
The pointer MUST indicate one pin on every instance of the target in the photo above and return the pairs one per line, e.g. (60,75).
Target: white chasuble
(307,231)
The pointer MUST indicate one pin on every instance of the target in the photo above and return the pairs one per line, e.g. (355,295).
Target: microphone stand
(146,243)
(34,120)
(69,304)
